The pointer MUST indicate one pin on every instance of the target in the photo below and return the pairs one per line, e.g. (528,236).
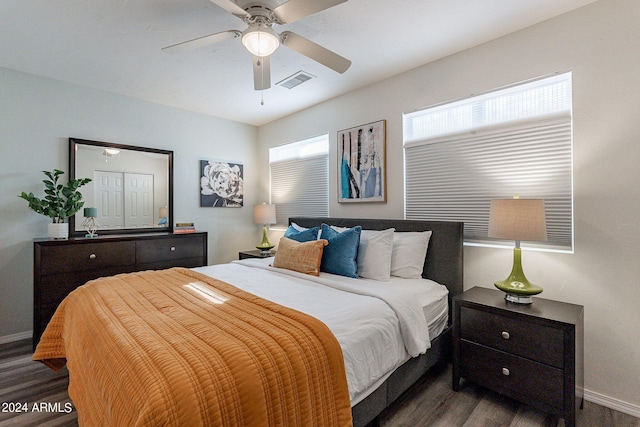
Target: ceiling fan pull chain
(262,77)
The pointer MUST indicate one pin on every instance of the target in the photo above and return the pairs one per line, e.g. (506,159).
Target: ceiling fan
(262,40)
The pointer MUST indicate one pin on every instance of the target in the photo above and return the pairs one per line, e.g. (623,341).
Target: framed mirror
(131,189)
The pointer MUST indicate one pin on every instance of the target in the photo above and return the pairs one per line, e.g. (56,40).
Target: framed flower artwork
(221,184)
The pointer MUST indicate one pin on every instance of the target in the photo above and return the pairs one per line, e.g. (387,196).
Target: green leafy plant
(61,201)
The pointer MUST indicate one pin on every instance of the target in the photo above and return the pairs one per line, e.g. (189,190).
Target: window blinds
(299,187)
(453,172)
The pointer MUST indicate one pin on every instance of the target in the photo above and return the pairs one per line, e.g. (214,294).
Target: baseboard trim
(610,402)
(16,337)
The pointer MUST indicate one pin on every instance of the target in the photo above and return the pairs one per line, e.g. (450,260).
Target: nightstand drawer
(537,342)
(513,376)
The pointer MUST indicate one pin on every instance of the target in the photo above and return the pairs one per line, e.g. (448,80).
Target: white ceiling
(115,45)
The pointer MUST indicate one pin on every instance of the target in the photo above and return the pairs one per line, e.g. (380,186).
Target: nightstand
(254,254)
(532,353)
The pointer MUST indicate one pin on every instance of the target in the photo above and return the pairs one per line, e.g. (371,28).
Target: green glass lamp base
(517,287)
(265,246)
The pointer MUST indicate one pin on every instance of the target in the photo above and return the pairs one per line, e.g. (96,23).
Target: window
(300,179)
(514,141)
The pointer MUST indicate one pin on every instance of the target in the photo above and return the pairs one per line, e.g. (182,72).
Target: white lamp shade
(264,214)
(163,212)
(260,39)
(517,219)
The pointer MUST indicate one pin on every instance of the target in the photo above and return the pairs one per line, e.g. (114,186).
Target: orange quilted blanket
(178,348)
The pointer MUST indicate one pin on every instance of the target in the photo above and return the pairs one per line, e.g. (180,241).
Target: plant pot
(58,230)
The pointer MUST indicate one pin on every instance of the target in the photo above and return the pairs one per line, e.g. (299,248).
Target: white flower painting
(221,184)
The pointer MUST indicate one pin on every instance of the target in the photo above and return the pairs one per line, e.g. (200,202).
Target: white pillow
(298,227)
(409,253)
(374,254)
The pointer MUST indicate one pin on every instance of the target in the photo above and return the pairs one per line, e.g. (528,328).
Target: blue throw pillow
(302,236)
(340,255)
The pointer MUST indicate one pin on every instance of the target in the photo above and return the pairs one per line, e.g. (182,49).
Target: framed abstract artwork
(221,184)
(361,163)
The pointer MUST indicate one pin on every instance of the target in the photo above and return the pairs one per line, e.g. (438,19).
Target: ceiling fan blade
(293,10)
(201,42)
(315,51)
(232,8)
(261,72)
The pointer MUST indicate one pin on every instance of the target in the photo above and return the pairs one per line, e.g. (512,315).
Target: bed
(162,372)
(444,265)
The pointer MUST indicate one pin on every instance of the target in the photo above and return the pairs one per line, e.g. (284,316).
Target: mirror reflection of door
(138,206)
(124,199)
(109,198)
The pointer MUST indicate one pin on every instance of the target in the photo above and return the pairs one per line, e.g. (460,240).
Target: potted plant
(61,202)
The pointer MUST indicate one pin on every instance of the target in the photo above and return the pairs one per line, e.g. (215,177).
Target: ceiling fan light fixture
(260,39)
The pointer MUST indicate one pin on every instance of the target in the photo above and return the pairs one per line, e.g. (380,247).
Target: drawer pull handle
(506,335)
(173,249)
(505,372)
(92,256)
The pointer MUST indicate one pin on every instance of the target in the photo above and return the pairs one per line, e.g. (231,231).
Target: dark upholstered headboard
(444,262)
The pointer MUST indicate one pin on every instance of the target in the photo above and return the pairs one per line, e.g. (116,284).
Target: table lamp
(264,214)
(90,224)
(518,219)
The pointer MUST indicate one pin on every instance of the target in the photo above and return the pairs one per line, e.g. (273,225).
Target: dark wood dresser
(60,266)
(532,353)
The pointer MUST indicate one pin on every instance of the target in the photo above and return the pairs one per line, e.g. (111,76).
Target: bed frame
(444,264)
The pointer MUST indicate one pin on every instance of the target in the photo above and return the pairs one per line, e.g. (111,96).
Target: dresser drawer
(89,256)
(514,376)
(173,248)
(537,342)
(55,287)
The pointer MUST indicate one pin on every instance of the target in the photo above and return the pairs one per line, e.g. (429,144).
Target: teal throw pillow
(340,255)
(302,236)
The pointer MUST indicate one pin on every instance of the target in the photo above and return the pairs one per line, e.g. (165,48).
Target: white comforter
(379,326)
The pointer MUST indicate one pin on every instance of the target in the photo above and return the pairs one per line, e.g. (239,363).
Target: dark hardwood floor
(24,382)
(430,402)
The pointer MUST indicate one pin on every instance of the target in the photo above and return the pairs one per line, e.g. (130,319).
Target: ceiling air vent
(295,79)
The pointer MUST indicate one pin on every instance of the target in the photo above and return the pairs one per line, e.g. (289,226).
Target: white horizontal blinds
(452,172)
(300,180)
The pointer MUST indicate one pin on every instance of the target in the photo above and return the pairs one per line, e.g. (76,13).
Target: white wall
(37,116)
(599,44)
